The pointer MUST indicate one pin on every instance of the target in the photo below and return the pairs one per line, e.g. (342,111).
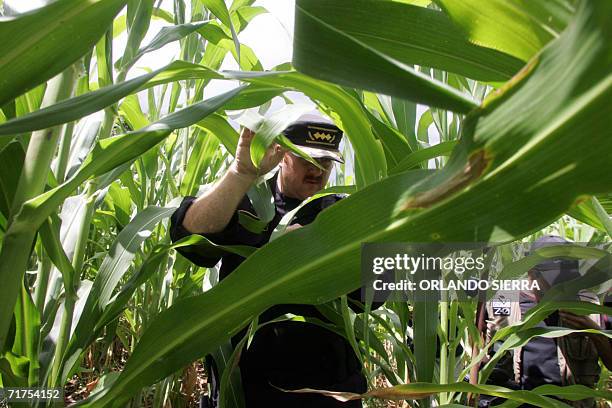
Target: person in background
(567,360)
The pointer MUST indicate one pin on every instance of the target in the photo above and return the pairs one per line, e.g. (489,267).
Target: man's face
(300,179)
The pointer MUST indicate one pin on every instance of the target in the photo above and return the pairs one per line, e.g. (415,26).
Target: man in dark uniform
(287,354)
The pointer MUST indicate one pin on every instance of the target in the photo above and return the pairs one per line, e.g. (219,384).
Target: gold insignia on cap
(319,135)
(322,136)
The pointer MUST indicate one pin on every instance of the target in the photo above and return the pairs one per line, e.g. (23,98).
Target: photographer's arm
(212,211)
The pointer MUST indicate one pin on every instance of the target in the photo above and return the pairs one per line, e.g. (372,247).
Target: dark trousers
(291,356)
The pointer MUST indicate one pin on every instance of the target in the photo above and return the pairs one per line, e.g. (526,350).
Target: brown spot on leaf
(581,199)
(475,167)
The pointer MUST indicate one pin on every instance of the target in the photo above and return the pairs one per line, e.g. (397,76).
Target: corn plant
(96,158)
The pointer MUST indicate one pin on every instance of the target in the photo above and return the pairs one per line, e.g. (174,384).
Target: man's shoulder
(309,211)
(325,201)
(331,199)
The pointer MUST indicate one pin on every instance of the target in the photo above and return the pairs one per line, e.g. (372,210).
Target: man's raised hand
(243,164)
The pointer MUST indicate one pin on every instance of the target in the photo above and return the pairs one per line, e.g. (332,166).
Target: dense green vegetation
(518,93)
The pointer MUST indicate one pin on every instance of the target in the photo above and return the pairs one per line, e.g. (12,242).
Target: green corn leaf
(219,127)
(138,21)
(120,300)
(12,155)
(226,358)
(27,319)
(404,113)
(163,15)
(197,240)
(605,200)
(254,96)
(82,105)
(55,331)
(420,3)
(425,315)
(338,326)
(425,121)
(268,129)
(243,16)
(41,44)
(410,35)
(104,58)
(602,215)
(591,212)
(204,150)
(284,142)
(219,9)
(423,155)
(131,111)
(573,392)
(394,143)
(517,27)
(216,34)
(72,215)
(50,236)
(165,36)
(120,23)
(325,49)
(14,369)
(236,4)
(119,200)
(416,391)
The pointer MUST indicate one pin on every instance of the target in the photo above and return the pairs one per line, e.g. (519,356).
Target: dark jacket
(289,355)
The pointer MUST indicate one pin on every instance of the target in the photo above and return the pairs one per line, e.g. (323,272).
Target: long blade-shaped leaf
(324,50)
(516,27)
(271,127)
(537,397)
(80,106)
(409,34)
(38,45)
(115,265)
(138,21)
(165,36)
(219,9)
